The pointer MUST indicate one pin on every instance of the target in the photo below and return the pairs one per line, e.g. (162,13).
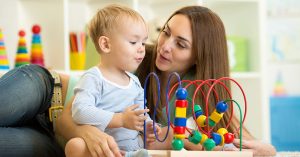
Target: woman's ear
(104,44)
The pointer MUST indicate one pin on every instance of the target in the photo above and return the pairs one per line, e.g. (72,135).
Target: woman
(197,53)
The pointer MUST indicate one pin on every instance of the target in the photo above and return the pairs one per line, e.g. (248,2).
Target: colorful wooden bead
(229,137)
(204,138)
(222,131)
(198,113)
(179,136)
(195,137)
(180,112)
(181,103)
(209,144)
(221,107)
(216,137)
(197,108)
(177,144)
(179,130)
(222,141)
(215,116)
(201,120)
(211,123)
(180,122)
(181,94)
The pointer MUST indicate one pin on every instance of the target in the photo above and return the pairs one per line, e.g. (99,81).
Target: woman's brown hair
(209,47)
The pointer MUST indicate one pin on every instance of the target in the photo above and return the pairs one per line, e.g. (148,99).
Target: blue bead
(198,113)
(181,94)
(180,122)
(221,107)
(216,137)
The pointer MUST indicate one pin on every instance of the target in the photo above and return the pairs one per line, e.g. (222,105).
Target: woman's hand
(99,143)
(150,133)
(257,147)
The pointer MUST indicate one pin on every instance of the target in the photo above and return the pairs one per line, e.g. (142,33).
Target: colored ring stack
(3,56)
(22,56)
(37,56)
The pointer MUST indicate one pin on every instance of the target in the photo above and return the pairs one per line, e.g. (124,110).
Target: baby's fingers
(139,112)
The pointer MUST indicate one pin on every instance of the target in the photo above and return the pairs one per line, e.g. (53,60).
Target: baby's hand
(150,132)
(134,119)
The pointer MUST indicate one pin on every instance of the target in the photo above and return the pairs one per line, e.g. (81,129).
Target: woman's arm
(98,142)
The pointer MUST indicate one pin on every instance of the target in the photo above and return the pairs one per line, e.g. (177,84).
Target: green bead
(195,137)
(211,123)
(177,144)
(209,144)
(197,108)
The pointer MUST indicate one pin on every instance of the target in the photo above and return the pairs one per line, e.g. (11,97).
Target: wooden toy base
(184,153)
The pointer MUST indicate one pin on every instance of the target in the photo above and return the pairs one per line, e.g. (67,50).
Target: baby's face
(128,44)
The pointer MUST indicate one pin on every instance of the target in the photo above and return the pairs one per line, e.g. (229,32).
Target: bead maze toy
(204,133)
(3,57)
(22,56)
(37,56)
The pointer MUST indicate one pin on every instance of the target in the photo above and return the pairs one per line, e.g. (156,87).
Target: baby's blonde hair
(106,21)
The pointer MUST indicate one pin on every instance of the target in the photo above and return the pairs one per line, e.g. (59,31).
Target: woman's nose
(167,45)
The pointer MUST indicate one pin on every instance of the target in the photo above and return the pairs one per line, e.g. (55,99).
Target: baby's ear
(104,44)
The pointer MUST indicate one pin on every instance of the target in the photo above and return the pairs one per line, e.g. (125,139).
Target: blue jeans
(25,129)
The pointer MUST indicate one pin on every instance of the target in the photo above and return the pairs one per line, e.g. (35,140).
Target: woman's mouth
(162,58)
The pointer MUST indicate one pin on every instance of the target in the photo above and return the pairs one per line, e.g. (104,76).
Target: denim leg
(27,142)
(25,130)
(24,93)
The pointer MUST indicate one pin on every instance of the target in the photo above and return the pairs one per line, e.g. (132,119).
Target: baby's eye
(132,42)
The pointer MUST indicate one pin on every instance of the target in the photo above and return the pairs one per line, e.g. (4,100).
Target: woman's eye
(166,32)
(180,45)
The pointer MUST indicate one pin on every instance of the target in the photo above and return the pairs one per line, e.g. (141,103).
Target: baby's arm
(84,109)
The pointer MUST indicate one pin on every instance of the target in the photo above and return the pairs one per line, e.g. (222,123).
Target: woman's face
(174,48)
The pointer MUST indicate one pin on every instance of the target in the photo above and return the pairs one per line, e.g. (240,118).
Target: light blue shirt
(97,99)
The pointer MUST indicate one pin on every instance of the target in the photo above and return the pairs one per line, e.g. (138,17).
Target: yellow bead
(180,112)
(222,131)
(203,139)
(179,136)
(222,141)
(215,116)
(201,120)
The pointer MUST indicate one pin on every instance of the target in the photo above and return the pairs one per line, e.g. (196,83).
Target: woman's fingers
(113,147)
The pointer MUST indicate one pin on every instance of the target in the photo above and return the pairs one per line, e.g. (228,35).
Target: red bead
(228,137)
(21,33)
(181,103)
(179,130)
(36,29)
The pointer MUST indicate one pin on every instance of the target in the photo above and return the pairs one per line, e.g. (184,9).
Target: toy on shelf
(77,50)
(22,56)
(3,57)
(37,56)
(279,88)
(205,134)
